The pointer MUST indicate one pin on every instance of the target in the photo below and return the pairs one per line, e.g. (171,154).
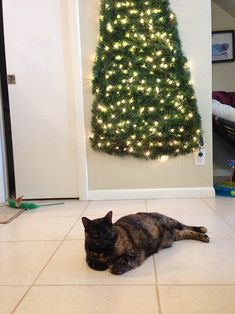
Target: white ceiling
(227,5)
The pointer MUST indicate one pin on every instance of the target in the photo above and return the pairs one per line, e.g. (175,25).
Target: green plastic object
(18,203)
(226,189)
(232,193)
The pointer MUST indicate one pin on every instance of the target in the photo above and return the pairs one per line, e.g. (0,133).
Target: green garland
(144,102)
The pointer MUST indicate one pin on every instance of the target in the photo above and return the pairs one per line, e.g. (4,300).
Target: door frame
(79,99)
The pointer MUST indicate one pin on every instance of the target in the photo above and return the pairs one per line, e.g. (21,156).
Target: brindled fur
(125,244)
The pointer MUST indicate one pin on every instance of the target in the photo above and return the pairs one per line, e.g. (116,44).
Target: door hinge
(11,79)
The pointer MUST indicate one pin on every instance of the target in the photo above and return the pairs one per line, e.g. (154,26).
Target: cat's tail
(175,224)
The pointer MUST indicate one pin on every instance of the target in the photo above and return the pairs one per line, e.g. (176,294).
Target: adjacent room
(223,78)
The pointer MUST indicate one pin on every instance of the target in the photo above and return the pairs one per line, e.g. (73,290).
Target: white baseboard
(135,194)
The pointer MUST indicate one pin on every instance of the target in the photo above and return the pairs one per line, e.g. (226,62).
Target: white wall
(223,73)
(109,172)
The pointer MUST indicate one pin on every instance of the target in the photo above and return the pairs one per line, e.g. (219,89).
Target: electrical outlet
(200,156)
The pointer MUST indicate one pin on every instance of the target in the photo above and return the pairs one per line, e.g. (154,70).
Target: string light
(144,102)
(109,28)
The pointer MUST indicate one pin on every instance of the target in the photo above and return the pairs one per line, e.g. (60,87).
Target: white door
(38,53)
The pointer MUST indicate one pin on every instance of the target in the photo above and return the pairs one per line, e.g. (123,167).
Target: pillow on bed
(223,111)
(223,97)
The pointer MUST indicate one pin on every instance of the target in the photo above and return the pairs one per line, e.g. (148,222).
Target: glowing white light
(149,59)
(124,21)
(109,28)
(109,87)
(164,158)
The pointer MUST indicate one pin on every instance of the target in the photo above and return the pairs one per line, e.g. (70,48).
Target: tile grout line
(96,285)
(128,285)
(53,254)
(155,273)
(211,207)
(197,285)
(157,286)
(131,285)
(76,221)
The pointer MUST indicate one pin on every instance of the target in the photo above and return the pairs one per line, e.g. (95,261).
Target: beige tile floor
(43,269)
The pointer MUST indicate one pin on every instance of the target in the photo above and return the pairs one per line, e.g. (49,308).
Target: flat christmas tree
(144,102)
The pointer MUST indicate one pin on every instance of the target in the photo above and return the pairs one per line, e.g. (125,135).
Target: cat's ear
(86,222)
(108,218)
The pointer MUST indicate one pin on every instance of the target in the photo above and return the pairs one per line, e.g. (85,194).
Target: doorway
(223,79)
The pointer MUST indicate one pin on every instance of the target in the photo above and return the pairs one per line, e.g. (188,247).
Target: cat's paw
(205,238)
(203,229)
(116,269)
(97,265)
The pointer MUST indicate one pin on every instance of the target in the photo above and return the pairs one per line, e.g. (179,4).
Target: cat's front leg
(96,264)
(125,263)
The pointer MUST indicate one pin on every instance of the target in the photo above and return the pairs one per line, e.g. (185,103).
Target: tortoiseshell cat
(125,244)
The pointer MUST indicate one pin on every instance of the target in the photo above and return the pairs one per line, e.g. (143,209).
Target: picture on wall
(223,46)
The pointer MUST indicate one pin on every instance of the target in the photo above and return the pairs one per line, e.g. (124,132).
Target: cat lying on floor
(125,244)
